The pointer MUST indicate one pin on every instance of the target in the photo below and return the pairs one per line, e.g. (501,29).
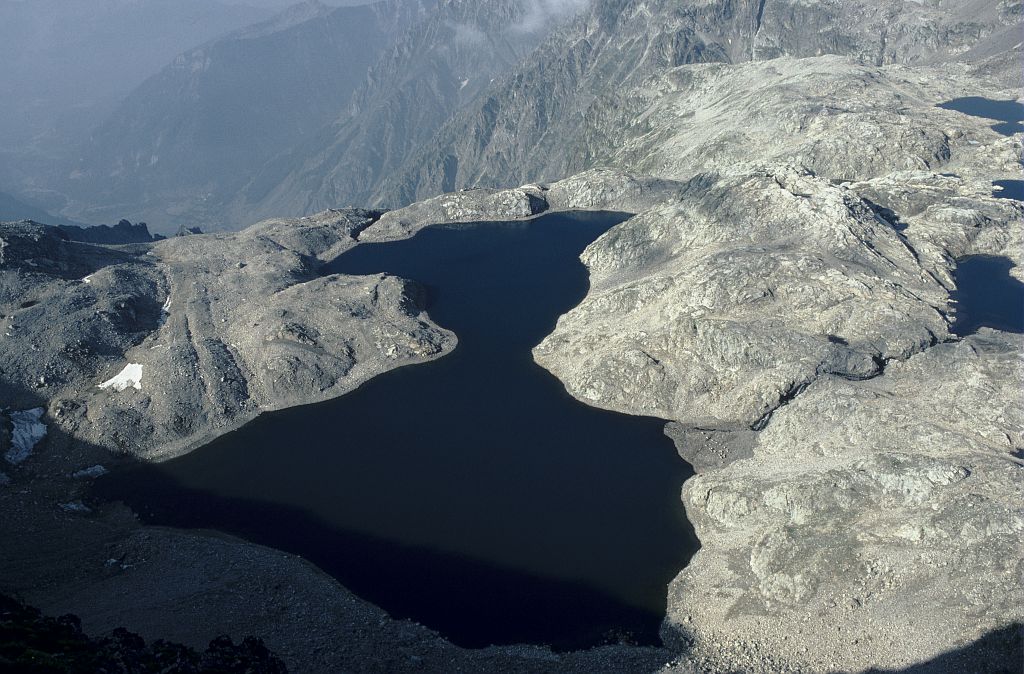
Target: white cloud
(540,13)
(468,35)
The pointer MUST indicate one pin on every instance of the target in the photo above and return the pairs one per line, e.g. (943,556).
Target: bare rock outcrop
(609,189)
(841,119)
(600,189)
(464,206)
(948,216)
(858,467)
(714,310)
(875,520)
(154,350)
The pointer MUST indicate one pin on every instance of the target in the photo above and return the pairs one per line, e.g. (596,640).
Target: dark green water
(472,494)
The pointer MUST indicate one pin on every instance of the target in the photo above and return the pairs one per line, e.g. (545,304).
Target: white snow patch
(92,472)
(28,431)
(87,279)
(75,507)
(130,376)
(462,85)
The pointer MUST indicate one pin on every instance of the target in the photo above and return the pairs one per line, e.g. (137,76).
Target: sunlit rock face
(716,308)
(888,508)
(154,350)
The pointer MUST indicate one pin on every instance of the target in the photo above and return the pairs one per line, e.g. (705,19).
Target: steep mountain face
(435,69)
(437,98)
(193,133)
(530,125)
(67,62)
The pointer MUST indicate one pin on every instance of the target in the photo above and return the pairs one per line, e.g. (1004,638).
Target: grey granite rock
(609,189)
(783,296)
(714,310)
(465,206)
(579,100)
(948,215)
(840,119)
(876,522)
(857,469)
(601,189)
(198,334)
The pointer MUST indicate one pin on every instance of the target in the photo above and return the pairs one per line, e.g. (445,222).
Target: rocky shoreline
(859,488)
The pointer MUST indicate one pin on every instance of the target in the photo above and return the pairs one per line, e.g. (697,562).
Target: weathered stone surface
(707,449)
(583,98)
(715,309)
(607,189)
(221,328)
(841,119)
(465,206)
(783,296)
(787,299)
(945,215)
(876,521)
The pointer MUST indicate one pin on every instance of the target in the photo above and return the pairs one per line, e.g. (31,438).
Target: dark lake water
(471,494)
(1008,189)
(987,296)
(1009,114)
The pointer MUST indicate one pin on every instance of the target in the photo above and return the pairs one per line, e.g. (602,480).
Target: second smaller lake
(1008,189)
(987,296)
(1008,114)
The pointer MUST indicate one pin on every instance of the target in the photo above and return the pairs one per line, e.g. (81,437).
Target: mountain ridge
(189,135)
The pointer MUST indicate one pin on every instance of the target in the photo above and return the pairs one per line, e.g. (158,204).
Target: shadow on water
(1009,114)
(504,604)
(472,493)
(987,296)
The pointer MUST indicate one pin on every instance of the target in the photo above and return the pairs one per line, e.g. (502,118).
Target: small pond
(987,296)
(1008,189)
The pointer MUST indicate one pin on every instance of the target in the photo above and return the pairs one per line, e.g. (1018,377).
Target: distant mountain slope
(67,61)
(13,209)
(435,69)
(192,134)
(398,101)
